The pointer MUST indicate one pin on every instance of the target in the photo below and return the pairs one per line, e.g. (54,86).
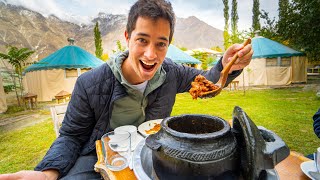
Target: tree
(105,57)
(256,14)
(183,48)
(283,14)
(98,41)
(299,27)
(216,48)
(270,28)
(16,57)
(203,57)
(234,22)
(226,35)
(120,47)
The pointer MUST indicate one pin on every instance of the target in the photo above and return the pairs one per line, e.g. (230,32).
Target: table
(314,70)
(290,167)
(62,95)
(126,174)
(234,84)
(30,100)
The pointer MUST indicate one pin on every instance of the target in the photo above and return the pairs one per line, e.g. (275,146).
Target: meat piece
(201,86)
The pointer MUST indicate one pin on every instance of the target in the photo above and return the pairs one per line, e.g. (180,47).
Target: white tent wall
(48,83)
(299,69)
(253,74)
(3,102)
(24,83)
(257,73)
(278,75)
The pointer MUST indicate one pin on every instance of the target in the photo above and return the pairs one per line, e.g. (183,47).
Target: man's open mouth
(147,65)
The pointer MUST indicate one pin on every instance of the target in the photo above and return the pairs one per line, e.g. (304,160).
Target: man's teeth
(149,64)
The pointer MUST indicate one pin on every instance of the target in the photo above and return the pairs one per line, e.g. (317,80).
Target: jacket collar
(115,65)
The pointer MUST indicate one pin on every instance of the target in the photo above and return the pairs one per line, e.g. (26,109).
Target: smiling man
(148,44)
(135,86)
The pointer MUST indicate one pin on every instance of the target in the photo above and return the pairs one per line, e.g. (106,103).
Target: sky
(209,11)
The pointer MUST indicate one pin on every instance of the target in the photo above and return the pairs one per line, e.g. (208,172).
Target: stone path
(22,121)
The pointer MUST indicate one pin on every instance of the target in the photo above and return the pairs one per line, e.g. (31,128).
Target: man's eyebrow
(147,35)
(164,38)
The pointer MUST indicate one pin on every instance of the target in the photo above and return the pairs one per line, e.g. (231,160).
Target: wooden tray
(288,168)
(107,174)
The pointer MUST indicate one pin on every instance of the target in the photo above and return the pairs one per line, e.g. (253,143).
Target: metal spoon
(223,75)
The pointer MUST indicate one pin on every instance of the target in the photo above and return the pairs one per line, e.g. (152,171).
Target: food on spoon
(201,87)
(153,130)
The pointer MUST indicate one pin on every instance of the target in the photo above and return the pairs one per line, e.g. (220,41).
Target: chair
(57,113)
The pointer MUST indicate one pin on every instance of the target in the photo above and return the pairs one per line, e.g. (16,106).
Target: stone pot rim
(226,127)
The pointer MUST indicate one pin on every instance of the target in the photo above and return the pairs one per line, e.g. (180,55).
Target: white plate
(308,166)
(147,126)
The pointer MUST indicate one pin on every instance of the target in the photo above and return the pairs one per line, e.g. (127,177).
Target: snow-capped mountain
(22,27)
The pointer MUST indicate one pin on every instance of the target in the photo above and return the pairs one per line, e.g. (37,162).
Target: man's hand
(244,54)
(31,175)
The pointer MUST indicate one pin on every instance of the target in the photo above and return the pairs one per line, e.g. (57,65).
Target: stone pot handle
(152,143)
(275,150)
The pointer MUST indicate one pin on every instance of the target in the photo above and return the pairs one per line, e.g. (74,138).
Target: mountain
(193,33)
(23,27)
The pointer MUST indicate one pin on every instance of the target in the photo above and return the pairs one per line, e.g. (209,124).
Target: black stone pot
(206,147)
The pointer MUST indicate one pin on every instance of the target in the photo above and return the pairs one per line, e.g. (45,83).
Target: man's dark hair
(153,9)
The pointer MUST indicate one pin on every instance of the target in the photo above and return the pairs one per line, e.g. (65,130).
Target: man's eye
(161,44)
(141,40)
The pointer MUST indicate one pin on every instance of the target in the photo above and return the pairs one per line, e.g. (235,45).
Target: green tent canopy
(267,48)
(178,56)
(66,58)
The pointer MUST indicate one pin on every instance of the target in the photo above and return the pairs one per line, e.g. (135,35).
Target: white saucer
(142,128)
(308,166)
(136,141)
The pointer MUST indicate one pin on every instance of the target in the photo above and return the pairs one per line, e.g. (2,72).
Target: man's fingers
(237,47)
(245,58)
(245,50)
(8,177)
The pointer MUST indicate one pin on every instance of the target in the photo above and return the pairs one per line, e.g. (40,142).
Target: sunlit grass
(23,149)
(15,110)
(287,112)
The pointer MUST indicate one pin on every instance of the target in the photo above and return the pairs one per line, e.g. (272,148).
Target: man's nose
(150,52)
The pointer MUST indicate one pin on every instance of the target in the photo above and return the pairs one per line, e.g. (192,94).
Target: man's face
(148,46)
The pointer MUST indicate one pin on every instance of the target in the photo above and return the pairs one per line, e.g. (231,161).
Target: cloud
(44,7)
(82,11)
(212,11)
(93,7)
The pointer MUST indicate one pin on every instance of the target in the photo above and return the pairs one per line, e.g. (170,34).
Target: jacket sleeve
(76,128)
(316,123)
(187,74)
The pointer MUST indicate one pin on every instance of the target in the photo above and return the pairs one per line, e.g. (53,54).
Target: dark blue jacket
(316,123)
(90,107)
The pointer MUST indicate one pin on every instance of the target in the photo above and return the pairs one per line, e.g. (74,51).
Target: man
(316,123)
(135,86)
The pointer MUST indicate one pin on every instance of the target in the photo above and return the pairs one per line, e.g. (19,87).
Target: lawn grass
(15,110)
(23,149)
(287,112)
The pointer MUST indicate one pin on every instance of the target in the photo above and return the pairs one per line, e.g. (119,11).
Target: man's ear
(126,35)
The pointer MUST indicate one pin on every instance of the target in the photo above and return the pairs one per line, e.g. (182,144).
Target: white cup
(318,159)
(129,128)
